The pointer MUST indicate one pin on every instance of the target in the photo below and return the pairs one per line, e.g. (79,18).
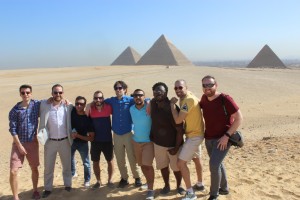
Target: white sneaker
(189,196)
(86,184)
(75,175)
(144,187)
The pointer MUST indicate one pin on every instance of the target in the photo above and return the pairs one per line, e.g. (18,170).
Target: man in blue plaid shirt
(23,124)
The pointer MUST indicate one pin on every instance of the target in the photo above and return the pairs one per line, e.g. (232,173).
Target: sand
(267,167)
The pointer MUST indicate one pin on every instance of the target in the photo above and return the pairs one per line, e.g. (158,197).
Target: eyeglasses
(55,92)
(178,88)
(208,85)
(138,95)
(118,88)
(96,98)
(23,93)
(79,104)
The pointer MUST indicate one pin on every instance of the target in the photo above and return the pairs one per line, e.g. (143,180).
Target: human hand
(173,151)
(74,135)
(222,143)
(21,149)
(174,100)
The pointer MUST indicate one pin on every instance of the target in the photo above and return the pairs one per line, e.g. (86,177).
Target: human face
(180,89)
(159,93)
(25,93)
(57,93)
(80,105)
(120,91)
(209,87)
(98,99)
(139,98)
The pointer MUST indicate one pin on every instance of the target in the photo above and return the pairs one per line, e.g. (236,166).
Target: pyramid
(128,57)
(266,58)
(163,52)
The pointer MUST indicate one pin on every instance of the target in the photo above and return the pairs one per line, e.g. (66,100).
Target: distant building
(163,52)
(266,58)
(128,57)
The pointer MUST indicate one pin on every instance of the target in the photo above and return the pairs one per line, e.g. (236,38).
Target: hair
(181,80)
(57,85)
(25,86)
(209,77)
(122,83)
(99,92)
(138,90)
(80,98)
(160,84)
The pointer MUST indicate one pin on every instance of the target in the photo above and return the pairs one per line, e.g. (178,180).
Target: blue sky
(51,33)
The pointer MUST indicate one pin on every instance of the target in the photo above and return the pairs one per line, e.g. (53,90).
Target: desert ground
(267,167)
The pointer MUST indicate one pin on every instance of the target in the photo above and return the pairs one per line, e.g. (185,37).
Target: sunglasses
(79,104)
(55,92)
(178,88)
(138,95)
(209,85)
(118,88)
(96,98)
(23,93)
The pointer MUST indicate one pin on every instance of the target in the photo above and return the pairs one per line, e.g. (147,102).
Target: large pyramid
(163,52)
(266,58)
(128,57)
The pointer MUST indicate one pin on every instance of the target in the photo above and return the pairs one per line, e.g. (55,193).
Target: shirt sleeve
(13,122)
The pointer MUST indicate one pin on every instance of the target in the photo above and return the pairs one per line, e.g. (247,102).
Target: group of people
(141,128)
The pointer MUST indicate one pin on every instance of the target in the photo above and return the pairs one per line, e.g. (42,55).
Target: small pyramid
(128,57)
(266,58)
(163,52)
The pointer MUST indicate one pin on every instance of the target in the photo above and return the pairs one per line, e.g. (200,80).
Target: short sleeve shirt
(82,124)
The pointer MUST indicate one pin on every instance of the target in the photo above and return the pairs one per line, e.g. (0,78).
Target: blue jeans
(218,176)
(83,149)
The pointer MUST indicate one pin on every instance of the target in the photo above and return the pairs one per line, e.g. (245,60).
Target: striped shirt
(24,121)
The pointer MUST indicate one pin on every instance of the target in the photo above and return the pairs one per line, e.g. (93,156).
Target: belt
(59,139)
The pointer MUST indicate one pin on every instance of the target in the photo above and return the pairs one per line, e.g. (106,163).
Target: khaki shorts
(17,159)
(164,159)
(144,153)
(191,148)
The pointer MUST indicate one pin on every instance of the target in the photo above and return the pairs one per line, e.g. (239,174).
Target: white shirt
(57,122)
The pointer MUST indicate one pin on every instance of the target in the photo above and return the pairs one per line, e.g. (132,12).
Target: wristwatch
(227,134)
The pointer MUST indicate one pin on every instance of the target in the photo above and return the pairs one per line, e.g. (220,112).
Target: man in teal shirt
(143,147)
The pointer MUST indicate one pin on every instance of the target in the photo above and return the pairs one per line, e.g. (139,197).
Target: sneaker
(199,188)
(97,185)
(46,193)
(144,187)
(75,175)
(150,195)
(36,195)
(180,191)
(110,185)
(122,183)
(165,190)
(68,189)
(223,192)
(189,196)
(138,182)
(86,184)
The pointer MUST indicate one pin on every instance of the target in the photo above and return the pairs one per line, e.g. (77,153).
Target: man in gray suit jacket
(56,119)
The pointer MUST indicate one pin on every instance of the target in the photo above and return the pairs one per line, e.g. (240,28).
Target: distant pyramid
(128,57)
(266,58)
(163,52)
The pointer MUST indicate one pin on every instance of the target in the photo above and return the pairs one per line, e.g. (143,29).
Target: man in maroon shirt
(219,126)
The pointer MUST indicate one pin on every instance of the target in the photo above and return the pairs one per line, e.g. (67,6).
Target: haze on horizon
(53,33)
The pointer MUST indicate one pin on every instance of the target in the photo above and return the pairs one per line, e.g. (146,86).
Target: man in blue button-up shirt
(23,124)
(122,129)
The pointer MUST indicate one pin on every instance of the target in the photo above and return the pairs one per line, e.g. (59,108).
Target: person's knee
(34,169)
(14,172)
(181,163)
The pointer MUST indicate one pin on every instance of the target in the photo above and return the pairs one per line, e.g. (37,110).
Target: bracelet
(227,134)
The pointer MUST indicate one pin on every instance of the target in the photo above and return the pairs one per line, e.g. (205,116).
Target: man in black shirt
(82,132)
(166,135)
